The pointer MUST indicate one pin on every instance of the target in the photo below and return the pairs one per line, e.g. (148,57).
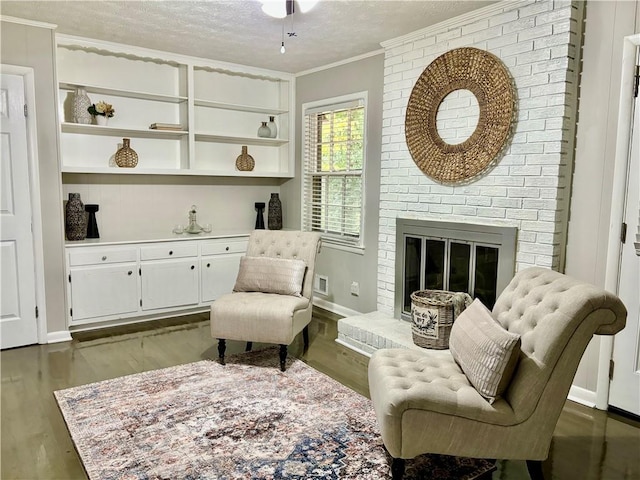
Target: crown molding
(30,23)
(340,62)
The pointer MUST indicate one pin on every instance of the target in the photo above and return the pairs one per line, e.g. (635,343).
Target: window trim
(316,106)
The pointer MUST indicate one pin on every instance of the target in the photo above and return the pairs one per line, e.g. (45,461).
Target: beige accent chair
(424,403)
(256,316)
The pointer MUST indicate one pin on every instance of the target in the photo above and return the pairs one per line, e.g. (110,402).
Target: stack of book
(166,126)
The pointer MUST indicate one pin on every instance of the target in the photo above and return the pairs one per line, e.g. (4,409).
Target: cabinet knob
(104,258)
(129,272)
(170,252)
(192,267)
(227,249)
(208,265)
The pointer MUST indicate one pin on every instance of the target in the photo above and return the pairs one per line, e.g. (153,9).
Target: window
(334,157)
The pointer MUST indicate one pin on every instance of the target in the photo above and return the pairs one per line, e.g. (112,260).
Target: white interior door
(18,325)
(625,385)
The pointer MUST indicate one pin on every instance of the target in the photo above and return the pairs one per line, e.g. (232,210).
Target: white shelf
(124,93)
(238,108)
(220,108)
(170,171)
(68,127)
(206,137)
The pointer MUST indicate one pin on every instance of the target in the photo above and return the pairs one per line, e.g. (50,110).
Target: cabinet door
(98,291)
(218,275)
(170,283)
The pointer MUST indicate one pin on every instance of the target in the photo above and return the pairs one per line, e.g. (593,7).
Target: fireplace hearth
(477,259)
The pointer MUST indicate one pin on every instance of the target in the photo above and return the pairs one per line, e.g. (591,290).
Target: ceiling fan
(283,8)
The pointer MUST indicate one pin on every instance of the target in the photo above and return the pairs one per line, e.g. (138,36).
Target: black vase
(275,213)
(260,215)
(92,224)
(75,218)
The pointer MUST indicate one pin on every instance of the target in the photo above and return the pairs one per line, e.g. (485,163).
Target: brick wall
(529,188)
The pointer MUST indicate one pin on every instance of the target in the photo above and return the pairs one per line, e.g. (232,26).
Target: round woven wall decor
(488,79)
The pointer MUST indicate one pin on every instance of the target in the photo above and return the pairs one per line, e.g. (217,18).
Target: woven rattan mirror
(487,78)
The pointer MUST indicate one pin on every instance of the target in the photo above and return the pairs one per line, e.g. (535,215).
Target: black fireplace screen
(442,264)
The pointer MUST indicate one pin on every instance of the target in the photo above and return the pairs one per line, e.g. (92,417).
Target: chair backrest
(288,244)
(555,316)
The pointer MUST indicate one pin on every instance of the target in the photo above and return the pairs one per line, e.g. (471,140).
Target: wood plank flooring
(588,444)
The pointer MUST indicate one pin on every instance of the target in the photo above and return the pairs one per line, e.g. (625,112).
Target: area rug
(245,420)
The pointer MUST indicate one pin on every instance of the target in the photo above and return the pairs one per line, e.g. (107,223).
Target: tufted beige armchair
(424,403)
(256,314)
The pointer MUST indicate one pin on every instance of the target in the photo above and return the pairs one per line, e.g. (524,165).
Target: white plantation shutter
(333,170)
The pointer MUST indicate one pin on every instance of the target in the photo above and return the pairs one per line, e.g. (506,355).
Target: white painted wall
(606,24)
(340,266)
(32,46)
(134,207)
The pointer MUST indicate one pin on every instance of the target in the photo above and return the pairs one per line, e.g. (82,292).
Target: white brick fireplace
(529,188)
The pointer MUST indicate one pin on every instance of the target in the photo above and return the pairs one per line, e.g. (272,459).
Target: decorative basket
(432,315)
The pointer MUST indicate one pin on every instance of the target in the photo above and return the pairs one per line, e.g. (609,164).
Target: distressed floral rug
(245,420)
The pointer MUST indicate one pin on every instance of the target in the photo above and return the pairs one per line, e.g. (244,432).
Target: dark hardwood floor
(588,444)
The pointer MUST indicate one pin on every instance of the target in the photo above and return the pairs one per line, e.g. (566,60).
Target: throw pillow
(270,275)
(486,352)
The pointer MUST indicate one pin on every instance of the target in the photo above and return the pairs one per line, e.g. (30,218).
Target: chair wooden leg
(249,347)
(283,357)
(305,337)
(222,347)
(397,468)
(535,469)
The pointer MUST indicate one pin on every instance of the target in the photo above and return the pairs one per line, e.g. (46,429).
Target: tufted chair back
(556,317)
(289,245)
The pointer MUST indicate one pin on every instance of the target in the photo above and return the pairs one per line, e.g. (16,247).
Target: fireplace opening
(460,257)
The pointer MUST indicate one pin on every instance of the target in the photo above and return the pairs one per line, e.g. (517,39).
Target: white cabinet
(103,283)
(99,291)
(169,283)
(219,267)
(219,108)
(139,281)
(169,275)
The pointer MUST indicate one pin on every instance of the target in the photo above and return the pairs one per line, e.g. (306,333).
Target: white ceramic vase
(264,131)
(273,128)
(81,104)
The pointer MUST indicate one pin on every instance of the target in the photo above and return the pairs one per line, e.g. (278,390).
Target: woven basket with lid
(432,315)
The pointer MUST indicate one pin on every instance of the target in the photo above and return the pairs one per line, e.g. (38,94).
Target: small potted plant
(101,111)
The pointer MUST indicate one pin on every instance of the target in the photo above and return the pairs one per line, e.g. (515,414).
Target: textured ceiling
(238,31)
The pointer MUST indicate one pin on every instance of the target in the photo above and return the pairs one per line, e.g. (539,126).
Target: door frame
(620,179)
(28,76)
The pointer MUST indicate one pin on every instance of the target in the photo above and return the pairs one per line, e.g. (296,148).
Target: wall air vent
(321,284)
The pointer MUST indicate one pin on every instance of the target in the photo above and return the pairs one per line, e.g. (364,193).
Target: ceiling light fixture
(283,9)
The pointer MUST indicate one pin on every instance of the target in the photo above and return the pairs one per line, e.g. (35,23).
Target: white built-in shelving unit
(220,106)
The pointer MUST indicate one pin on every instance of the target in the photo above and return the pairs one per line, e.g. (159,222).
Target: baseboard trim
(334,308)
(582,396)
(60,336)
